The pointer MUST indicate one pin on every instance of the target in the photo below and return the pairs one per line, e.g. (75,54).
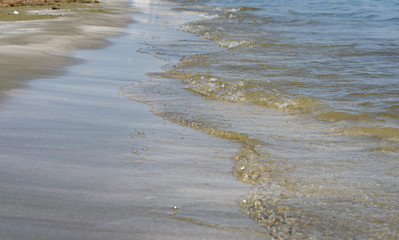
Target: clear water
(309,90)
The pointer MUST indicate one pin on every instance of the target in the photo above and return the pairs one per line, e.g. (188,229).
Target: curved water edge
(315,120)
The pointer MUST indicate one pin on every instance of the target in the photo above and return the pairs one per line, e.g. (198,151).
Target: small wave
(342,116)
(242,91)
(385,133)
(243,9)
(208,16)
(218,36)
(188,9)
(395,19)
(390,112)
(231,43)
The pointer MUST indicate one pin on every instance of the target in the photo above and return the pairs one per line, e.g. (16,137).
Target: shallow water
(80,161)
(308,90)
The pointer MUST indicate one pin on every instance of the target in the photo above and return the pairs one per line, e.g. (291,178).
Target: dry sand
(79,161)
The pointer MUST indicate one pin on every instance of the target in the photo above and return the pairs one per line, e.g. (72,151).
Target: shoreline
(39,41)
(80,161)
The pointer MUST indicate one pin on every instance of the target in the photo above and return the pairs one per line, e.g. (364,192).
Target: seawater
(310,92)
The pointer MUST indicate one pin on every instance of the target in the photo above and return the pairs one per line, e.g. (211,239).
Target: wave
(242,91)
(312,137)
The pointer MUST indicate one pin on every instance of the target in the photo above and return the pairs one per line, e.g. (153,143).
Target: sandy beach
(78,160)
(37,41)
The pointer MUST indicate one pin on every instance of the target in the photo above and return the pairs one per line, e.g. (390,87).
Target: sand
(80,161)
(37,41)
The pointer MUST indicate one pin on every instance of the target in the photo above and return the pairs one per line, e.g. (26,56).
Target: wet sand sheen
(79,161)
(37,41)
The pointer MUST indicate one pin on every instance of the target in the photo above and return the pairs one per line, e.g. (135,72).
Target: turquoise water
(310,90)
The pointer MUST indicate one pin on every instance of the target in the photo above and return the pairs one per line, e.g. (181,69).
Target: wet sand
(37,42)
(80,161)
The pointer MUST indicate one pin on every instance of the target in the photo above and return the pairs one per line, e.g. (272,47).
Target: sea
(307,90)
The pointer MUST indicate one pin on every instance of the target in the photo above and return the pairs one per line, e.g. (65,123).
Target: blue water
(310,90)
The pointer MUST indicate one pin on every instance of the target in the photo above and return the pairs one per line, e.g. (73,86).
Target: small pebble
(14,13)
